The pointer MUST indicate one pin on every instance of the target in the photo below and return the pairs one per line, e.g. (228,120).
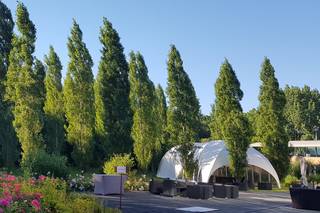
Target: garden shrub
(80,182)
(294,169)
(42,163)
(290,180)
(137,182)
(44,194)
(118,160)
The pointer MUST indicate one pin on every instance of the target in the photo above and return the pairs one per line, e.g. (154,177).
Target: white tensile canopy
(211,156)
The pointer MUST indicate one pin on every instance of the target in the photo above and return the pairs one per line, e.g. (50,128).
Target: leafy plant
(118,160)
(290,180)
(137,182)
(43,163)
(80,182)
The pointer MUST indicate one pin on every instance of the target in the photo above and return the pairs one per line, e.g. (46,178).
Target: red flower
(38,195)
(17,187)
(42,177)
(36,204)
(11,178)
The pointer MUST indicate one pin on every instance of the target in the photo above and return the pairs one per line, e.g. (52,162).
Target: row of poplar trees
(87,119)
(121,111)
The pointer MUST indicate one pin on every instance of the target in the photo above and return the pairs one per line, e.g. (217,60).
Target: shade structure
(211,156)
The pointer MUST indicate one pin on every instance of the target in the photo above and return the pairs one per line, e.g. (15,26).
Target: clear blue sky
(205,32)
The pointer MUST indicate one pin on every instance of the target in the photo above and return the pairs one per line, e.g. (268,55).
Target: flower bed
(43,194)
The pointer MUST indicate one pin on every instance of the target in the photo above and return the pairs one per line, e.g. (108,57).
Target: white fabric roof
(211,156)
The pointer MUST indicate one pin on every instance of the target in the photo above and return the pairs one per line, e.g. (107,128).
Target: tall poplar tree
(161,134)
(161,113)
(53,108)
(79,99)
(183,112)
(270,119)
(142,100)
(22,88)
(8,141)
(40,73)
(230,124)
(113,114)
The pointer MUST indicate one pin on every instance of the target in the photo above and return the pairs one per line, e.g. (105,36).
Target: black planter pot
(303,198)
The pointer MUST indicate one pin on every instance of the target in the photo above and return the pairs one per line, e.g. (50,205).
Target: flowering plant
(81,182)
(14,199)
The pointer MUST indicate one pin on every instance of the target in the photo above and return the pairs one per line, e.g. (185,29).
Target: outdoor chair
(169,188)
(156,186)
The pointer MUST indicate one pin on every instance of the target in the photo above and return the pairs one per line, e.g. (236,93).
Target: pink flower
(11,178)
(42,177)
(36,204)
(38,195)
(1,210)
(4,202)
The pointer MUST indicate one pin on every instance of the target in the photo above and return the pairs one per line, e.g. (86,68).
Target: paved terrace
(261,202)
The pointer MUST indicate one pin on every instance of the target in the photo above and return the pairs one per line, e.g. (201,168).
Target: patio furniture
(156,186)
(108,184)
(243,186)
(200,191)
(221,191)
(169,188)
(264,186)
(304,198)
(181,188)
(234,191)
(225,180)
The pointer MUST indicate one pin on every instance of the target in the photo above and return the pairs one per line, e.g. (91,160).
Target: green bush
(294,169)
(85,203)
(315,178)
(42,163)
(118,160)
(137,182)
(290,180)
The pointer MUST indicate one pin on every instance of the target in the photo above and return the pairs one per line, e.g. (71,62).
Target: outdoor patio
(262,202)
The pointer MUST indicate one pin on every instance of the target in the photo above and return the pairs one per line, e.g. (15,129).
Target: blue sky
(205,32)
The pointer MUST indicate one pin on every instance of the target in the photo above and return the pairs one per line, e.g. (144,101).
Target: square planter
(108,184)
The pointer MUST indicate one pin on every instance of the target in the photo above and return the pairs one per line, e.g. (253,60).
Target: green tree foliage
(183,112)
(302,112)
(252,118)
(113,114)
(22,88)
(79,99)
(40,74)
(270,120)
(142,100)
(161,134)
(53,107)
(230,124)
(8,141)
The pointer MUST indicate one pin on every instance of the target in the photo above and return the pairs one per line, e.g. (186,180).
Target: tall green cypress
(230,124)
(40,73)
(161,126)
(22,88)
(113,114)
(270,120)
(79,99)
(183,112)
(142,100)
(8,141)
(161,112)
(53,107)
